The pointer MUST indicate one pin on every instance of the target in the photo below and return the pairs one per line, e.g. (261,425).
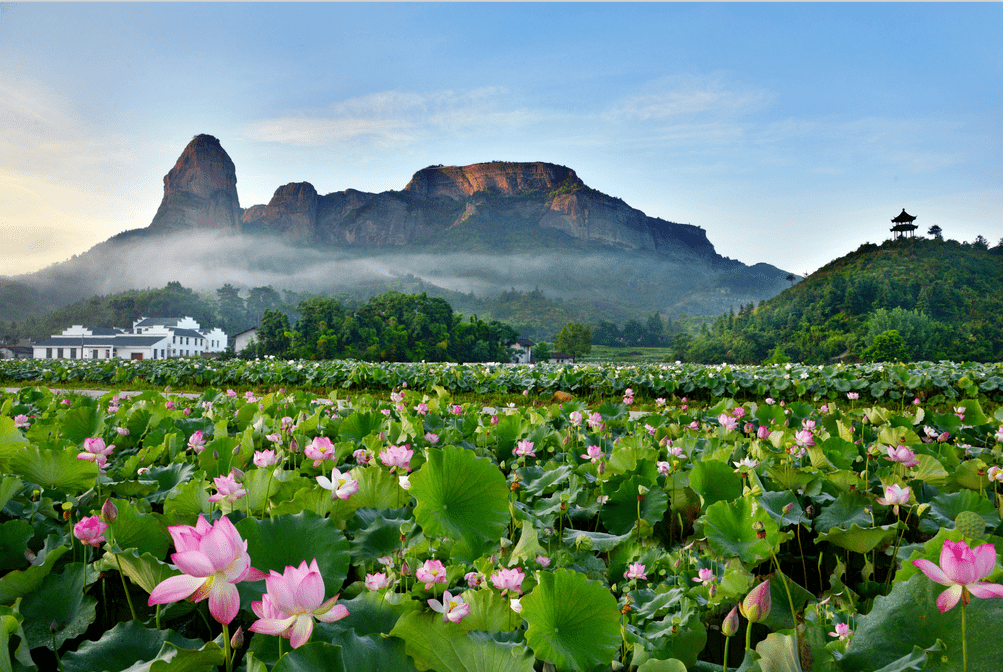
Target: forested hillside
(944,300)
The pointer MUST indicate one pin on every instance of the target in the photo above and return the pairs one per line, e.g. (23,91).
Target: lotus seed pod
(583,542)
(970,524)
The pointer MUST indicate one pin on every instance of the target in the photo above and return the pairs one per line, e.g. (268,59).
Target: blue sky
(791,133)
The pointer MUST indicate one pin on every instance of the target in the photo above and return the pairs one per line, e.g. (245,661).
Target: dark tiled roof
(189,333)
(71,341)
(524,342)
(159,321)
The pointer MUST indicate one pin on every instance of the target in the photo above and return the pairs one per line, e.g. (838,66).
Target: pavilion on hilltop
(904,226)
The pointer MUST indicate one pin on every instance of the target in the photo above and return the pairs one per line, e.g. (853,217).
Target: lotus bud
(30,556)
(730,625)
(237,640)
(236,450)
(109,513)
(788,507)
(757,604)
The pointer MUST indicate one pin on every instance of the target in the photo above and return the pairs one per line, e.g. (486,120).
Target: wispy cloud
(394,118)
(688,97)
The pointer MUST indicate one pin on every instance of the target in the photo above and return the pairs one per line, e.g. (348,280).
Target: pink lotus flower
(341,485)
(227,488)
(473,579)
(659,402)
(432,438)
(431,573)
(763,433)
(576,418)
(319,449)
(961,570)
(196,442)
(728,422)
(999,434)
(213,559)
(746,462)
(842,631)
(397,457)
(90,531)
(593,453)
(543,560)
(231,393)
(457,410)
(96,451)
(677,452)
(524,449)
(738,411)
(21,421)
(995,474)
(421,409)
(452,607)
(595,420)
(377,581)
(264,458)
(404,482)
(122,431)
(651,430)
(663,467)
(362,456)
(508,579)
(705,576)
(894,496)
(902,455)
(853,395)
(804,438)
(293,599)
(635,571)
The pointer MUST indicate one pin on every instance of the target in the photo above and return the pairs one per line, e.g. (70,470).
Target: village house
(149,338)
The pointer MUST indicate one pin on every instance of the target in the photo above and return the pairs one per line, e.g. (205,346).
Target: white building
(244,338)
(150,338)
(523,351)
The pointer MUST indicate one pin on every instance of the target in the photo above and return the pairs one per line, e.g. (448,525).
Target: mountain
(482,228)
(941,296)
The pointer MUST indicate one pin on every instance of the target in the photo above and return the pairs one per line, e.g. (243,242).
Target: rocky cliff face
(459,182)
(480,204)
(200,192)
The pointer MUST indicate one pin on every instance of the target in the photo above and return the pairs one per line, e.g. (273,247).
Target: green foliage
(888,346)
(541,352)
(574,340)
(941,296)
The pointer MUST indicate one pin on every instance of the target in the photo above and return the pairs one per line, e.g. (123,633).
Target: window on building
(94,354)
(59,353)
(73,353)
(48,353)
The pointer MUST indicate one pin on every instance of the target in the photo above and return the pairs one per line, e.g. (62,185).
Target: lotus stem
(964,631)
(226,648)
(726,640)
(125,588)
(790,600)
(888,578)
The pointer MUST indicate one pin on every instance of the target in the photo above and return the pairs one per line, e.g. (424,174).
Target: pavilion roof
(903,218)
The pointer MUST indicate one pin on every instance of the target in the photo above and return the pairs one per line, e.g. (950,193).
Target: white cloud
(687,97)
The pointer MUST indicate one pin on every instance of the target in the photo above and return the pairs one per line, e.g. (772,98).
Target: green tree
(541,352)
(888,346)
(231,309)
(936,232)
(574,340)
(273,334)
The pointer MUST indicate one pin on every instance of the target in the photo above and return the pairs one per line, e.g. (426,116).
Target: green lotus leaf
(360,424)
(598,542)
(375,533)
(849,508)
(715,482)
(84,420)
(134,529)
(313,657)
(908,617)
(17,583)
(60,600)
(144,570)
(729,528)
(930,470)
(574,623)
(620,514)
(775,502)
(56,469)
(945,508)
(378,489)
(367,653)
(127,645)
(859,539)
(462,496)
(671,665)
(14,537)
(778,653)
(282,541)
(489,611)
(446,647)
(372,613)
(11,440)
(183,506)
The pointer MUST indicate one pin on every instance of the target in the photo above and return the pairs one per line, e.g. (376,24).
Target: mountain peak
(459,182)
(201,190)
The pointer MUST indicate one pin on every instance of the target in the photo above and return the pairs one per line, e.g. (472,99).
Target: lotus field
(703,518)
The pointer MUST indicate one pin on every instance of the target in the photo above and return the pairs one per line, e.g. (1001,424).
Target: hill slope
(943,297)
